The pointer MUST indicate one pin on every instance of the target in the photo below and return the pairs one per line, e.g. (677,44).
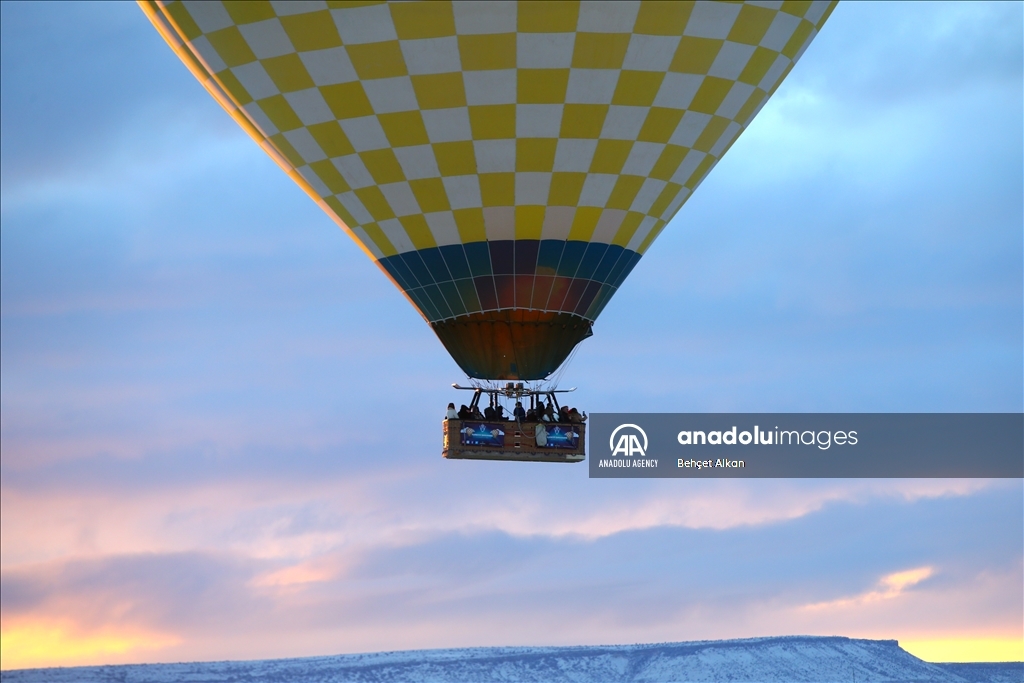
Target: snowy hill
(794,658)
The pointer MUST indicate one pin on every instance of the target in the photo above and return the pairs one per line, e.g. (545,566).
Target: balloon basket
(507,440)
(545,433)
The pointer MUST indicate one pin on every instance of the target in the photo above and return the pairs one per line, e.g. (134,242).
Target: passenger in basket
(549,412)
(489,413)
(531,415)
(563,414)
(540,434)
(451,414)
(575,417)
(519,413)
(499,412)
(464,413)
(477,415)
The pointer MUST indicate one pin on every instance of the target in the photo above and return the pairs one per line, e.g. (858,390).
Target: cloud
(163,593)
(889,587)
(893,52)
(871,571)
(295,504)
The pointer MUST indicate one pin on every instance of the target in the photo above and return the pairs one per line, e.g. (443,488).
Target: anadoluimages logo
(628,443)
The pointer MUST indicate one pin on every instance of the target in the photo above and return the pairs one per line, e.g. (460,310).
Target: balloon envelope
(505,164)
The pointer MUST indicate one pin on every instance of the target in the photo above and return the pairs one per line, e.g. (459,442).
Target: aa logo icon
(628,443)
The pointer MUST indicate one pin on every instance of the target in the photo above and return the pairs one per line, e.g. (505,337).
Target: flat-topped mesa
(790,659)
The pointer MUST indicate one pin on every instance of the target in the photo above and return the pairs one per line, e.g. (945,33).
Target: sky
(220,423)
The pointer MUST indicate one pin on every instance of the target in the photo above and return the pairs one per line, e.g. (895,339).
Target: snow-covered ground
(796,658)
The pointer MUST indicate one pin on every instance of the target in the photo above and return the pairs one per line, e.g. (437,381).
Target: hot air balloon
(505,164)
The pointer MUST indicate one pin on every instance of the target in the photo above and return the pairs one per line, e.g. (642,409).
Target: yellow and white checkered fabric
(423,124)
